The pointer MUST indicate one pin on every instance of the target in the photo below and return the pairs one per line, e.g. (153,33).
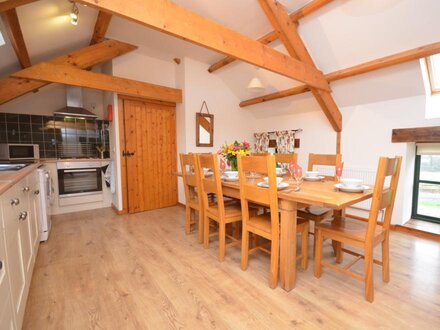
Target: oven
(79,179)
(15,151)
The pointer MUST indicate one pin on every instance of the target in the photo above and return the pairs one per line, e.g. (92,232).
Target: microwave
(15,151)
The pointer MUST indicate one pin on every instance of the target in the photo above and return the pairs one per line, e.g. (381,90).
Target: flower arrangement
(230,152)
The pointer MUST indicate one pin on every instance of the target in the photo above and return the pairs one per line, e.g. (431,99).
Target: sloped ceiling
(342,34)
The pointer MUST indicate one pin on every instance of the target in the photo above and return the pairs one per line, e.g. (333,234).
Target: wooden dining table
(319,193)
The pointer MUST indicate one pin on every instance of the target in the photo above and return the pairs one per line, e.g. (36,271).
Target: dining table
(320,193)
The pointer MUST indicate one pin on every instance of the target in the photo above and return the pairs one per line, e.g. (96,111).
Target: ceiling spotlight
(74,14)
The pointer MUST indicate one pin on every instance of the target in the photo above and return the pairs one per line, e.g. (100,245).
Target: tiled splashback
(57,137)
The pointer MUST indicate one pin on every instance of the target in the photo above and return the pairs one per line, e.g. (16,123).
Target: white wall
(366,136)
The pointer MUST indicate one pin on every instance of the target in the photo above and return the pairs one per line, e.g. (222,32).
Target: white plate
(264,184)
(341,187)
(207,174)
(226,178)
(314,178)
(281,173)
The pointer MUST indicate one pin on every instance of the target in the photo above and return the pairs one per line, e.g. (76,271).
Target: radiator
(367,175)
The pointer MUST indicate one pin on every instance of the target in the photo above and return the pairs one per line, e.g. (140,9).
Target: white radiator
(367,175)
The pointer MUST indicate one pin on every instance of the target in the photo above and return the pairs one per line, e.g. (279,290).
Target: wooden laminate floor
(102,271)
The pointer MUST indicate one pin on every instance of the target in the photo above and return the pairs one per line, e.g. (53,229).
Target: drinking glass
(298,179)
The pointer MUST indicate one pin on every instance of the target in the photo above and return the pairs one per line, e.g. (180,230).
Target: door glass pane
(430,168)
(428,203)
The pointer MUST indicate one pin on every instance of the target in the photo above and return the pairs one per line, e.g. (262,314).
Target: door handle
(36,192)
(23,215)
(15,201)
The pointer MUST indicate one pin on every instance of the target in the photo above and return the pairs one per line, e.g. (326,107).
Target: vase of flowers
(230,152)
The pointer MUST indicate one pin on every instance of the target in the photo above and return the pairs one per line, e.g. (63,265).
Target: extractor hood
(74,106)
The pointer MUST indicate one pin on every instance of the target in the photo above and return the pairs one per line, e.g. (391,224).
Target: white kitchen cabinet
(21,233)
(7,320)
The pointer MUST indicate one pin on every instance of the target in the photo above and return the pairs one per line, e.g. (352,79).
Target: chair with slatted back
(191,184)
(362,234)
(286,158)
(219,211)
(317,213)
(266,225)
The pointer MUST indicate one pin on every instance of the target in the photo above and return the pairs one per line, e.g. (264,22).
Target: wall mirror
(204,130)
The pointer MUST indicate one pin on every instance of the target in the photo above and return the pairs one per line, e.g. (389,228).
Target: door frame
(122,142)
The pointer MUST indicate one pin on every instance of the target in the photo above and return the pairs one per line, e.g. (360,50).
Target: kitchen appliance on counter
(45,184)
(15,151)
(79,182)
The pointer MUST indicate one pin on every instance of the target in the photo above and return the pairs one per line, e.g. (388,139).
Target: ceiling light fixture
(255,85)
(74,14)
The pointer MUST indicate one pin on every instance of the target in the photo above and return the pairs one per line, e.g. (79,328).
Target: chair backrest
(250,192)
(326,160)
(190,175)
(286,158)
(383,198)
(210,184)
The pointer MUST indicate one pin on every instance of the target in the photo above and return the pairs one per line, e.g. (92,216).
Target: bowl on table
(312,174)
(351,183)
(231,174)
(279,180)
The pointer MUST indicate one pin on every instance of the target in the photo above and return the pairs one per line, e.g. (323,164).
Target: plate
(316,178)
(264,184)
(207,174)
(226,178)
(282,173)
(341,187)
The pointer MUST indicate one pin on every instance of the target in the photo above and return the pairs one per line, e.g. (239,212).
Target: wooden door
(151,155)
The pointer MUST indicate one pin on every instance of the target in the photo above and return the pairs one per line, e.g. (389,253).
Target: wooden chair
(362,234)
(316,213)
(191,184)
(266,225)
(286,158)
(219,211)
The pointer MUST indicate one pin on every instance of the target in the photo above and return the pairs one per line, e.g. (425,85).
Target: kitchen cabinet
(21,236)
(6,314)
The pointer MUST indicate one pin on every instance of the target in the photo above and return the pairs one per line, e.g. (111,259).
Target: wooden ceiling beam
(167,17)
(101,26)
(11,88)
(280,20)
(13,29)
(69,75)
(380,63)
(273,35)
(11,4)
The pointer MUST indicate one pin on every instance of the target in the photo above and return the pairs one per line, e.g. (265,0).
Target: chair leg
(201,227)
(318,252)
(205,231)
(386,258)
(236,230)
(221,241)
(254,240)
(369,285)
(304,246)
(274,262)
(244,249)
(187,220)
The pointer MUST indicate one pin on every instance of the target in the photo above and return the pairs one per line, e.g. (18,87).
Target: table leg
(288,244)
(337,246)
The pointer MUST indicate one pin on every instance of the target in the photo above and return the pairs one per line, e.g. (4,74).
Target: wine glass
(291,169)
(298,176)
(338,173)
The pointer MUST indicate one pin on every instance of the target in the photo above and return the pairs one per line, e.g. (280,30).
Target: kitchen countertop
(53,160)
(9,178)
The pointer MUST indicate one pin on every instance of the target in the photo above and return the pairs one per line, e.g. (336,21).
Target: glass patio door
(426,198)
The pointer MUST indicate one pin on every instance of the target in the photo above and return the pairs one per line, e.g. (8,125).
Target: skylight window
(433,64)
(2,40)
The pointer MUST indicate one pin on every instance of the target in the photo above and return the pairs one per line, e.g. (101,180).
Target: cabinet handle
(36,192)
(26,189)
(1,265)
(23,215)
(15,201)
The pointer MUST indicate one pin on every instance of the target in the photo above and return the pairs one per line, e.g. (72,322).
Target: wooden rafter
(101,26)
(69,75)
(381,63)
(10,4)
(273,35)
(280,20)
(13,29)
(11,88)
(172,19)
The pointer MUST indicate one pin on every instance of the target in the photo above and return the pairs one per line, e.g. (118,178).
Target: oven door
(79,181)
